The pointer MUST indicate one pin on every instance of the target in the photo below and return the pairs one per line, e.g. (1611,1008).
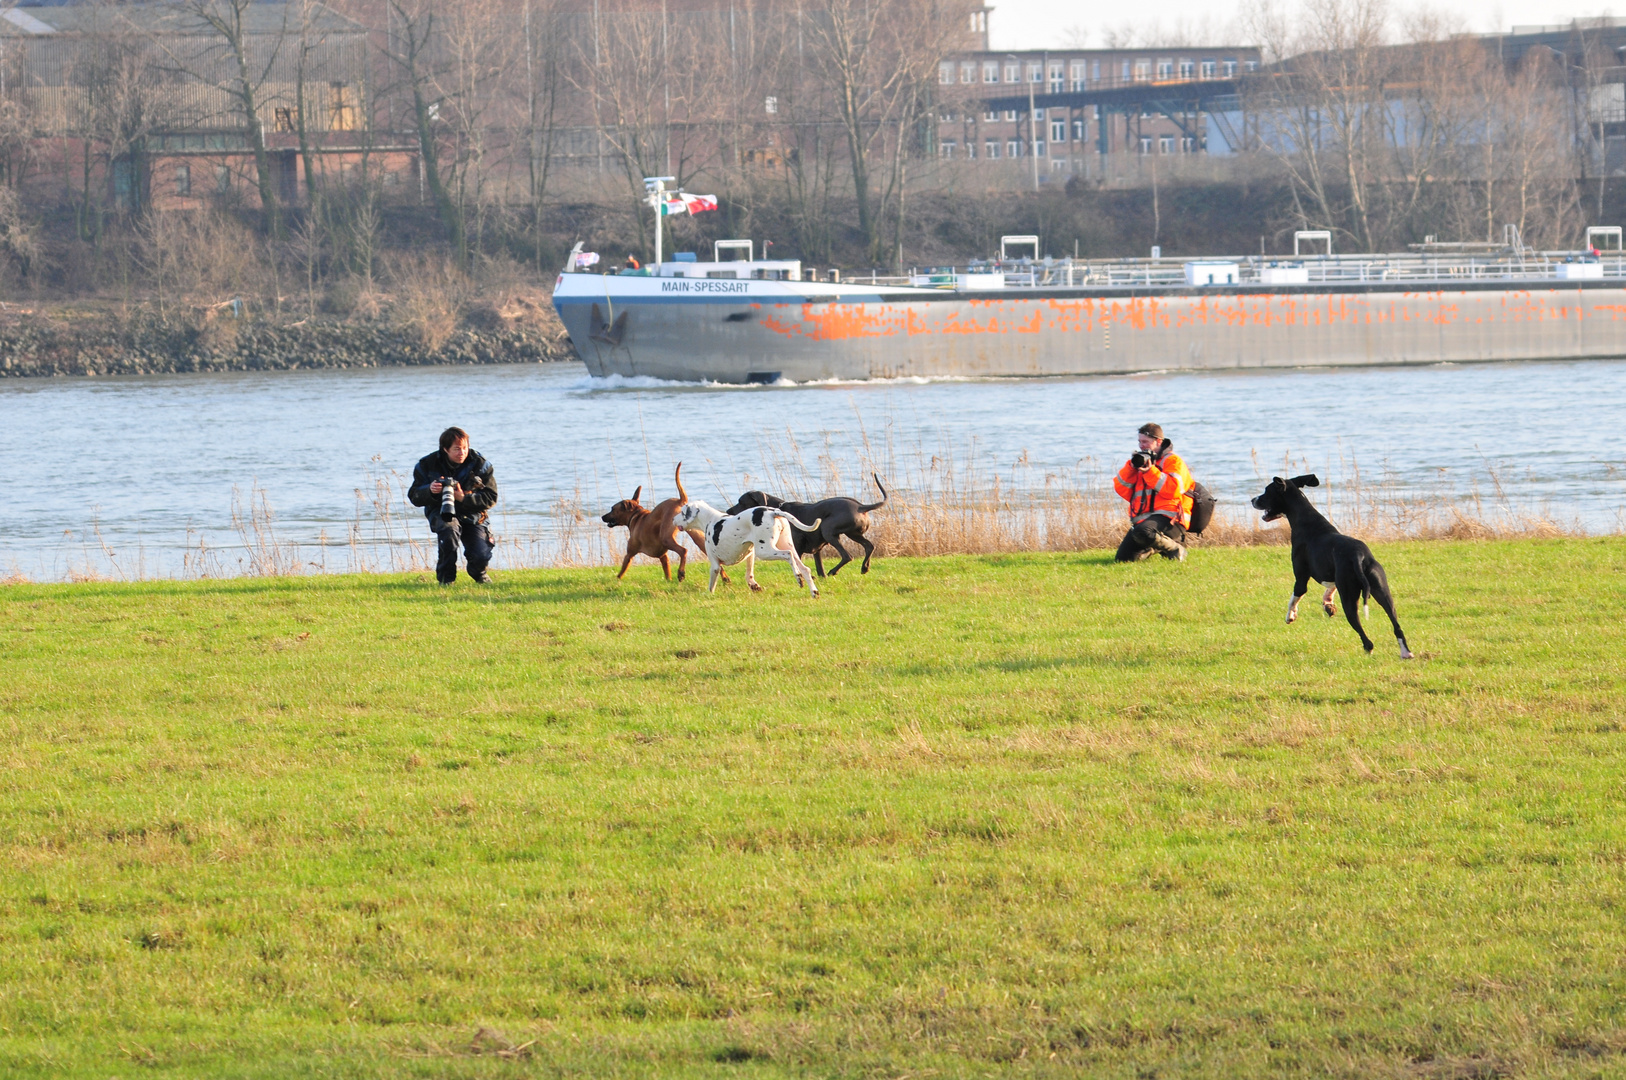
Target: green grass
(1031,814)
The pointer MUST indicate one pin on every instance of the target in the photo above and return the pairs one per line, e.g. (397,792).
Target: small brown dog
(652,532)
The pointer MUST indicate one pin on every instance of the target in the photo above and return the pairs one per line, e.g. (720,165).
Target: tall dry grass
(940,503)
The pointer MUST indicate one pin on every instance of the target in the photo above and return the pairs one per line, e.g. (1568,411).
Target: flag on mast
(684,203)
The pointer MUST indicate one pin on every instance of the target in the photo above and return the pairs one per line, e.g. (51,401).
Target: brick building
(133,104)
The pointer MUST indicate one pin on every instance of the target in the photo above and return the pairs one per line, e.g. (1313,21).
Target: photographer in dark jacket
(474,493)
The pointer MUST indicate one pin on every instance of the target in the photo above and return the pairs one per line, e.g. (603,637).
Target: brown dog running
(652,532)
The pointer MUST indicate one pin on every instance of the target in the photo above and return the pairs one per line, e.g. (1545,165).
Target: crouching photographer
(457,489)
(1158,486)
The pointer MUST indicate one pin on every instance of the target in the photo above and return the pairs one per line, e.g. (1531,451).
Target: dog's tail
(805,528)
(678,477)
(884,497)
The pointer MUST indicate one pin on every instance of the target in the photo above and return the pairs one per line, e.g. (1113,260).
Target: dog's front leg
(711,586)
(1326,600)
(626,563)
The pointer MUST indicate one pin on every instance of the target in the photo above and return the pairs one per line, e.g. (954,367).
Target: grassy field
(1031,814)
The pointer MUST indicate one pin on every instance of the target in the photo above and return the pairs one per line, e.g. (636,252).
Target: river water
(138,477)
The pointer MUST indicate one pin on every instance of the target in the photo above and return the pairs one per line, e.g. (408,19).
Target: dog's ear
(635,493)
(1307,480)
(1276,481)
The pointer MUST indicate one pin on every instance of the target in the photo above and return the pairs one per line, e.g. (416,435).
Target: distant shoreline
(34,346)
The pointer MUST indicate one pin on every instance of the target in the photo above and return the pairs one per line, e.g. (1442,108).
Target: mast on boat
(656,187)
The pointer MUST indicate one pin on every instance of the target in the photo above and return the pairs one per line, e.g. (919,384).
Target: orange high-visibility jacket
(1162,489)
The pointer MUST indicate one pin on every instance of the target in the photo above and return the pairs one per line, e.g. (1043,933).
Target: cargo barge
(735,318)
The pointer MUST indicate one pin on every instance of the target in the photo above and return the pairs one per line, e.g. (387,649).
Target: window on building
(945,72)
(183,179)
(1251,65)
(1230,69)
(341,107)
(1123,71)
(1095,71)
(1010,116)
(1210,68)
(992,149)
(971,148)
(1165,69)
(1058,164)
(222,179)
(1146,144)
(1038,114)
(1035,71)
(1058,81)
(979,22)
(1013,148)
(770,105)
(947,147)
(283,119)
(125,192)
(1188,69)
(1188,144)
(990,115)
(1078,130)
(1038,148)
(1012,73)
(968,73)
(1058,131)
(1078,74)
(1143,70)
(1165,144)
(990,71)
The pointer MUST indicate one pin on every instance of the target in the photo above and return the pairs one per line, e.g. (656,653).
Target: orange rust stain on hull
(850,322)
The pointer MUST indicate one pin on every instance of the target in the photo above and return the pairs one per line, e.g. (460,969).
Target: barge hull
(764,330)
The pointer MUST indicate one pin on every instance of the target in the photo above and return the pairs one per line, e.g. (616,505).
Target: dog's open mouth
(1271,515)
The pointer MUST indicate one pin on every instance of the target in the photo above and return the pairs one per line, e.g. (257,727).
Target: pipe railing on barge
(1422,268)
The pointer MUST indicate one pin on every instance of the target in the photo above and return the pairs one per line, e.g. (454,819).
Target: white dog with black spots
(759,533)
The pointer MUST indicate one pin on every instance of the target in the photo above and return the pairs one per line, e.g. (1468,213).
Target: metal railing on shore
(1422,267)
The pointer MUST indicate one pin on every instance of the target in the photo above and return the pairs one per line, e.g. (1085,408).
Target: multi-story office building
(1138,112)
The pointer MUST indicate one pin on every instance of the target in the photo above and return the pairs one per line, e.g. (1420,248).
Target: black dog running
(1322,552)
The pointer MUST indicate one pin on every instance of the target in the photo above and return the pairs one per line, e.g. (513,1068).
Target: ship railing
(1425,267)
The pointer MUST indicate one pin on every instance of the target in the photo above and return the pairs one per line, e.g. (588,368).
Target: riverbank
(79,340)
(1039,814)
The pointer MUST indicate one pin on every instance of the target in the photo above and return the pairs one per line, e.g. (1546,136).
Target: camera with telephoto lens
(1140,459)
(448,508)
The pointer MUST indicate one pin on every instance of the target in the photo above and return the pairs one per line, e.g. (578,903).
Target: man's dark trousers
(1150,535)
(475,538)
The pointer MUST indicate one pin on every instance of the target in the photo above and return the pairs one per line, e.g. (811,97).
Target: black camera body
(1140,459)
(448,505)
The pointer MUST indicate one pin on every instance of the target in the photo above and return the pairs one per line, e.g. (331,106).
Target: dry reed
(941,503)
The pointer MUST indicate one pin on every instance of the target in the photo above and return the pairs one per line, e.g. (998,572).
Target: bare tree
(233,45)
(543,66)
(1324,117)
(875,60)
(415,50)
(119,103)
